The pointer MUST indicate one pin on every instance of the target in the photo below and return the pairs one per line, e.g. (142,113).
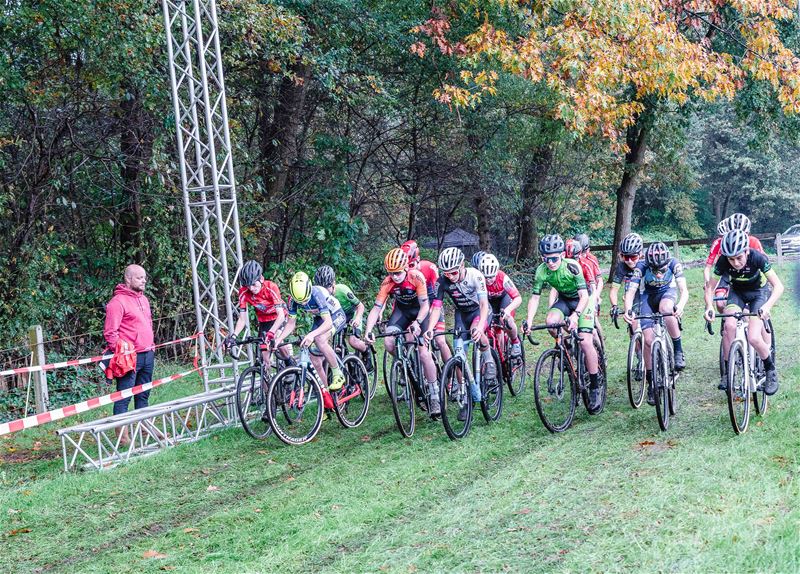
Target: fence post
(676,250)
(779,248)
(39,379)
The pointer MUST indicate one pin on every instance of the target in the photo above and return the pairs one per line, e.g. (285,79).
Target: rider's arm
(684,292)
(628,298)
(551,298)
(707,275)
(424,308)
(241,322)
(280,317)
(777,289)
(613,294)
(291,323)
(483,305)
(583,301)
(515,303)
(533,305)
(325,326)
(374,315)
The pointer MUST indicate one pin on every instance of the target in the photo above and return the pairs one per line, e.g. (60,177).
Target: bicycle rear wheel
(295,406)
(554,391)
(738,393)
(455,400)
(251,401)
(492,392)
(372,374)
(401,394)
(351,402)
(636,378)
(760,398)
(601,381)
(660,382)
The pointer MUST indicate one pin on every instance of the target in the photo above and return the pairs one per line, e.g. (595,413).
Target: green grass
(610,494)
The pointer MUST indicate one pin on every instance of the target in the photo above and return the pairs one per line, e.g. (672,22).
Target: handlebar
(737,315)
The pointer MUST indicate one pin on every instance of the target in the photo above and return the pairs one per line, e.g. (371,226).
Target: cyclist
(661,276)
(572,250)
(353,308)
(411,311)
(753,284)
(586,255)
(504,298)
(573,304)
(466,288)
(328,319)
(265,297)
(431,273)
(735,221)
(630,262)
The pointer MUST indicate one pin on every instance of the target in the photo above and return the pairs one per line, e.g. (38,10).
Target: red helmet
(410,248)
(572,248)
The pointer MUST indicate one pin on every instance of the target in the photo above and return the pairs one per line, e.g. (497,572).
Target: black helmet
(734,242)
(325,276)
(550,244)
(657,255)
(251,272)
(583,239)
(631,244)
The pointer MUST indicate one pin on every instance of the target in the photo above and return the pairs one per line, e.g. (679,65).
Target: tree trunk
(136,146)
(532,189)
(626,193)
(482,213)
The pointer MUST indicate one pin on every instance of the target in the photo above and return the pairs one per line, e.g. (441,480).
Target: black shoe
(651,399)
(771,384)
(595,397)
(680,361)
(462,413)
(723,384)
(368,361)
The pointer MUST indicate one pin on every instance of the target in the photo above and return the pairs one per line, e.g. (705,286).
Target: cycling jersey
(716,246)
(431,274)
(658,281)
(750,277)
(567,279)
(321,303)
(347,299)
(623,274)
(265,301)
(595,264)
(501,285)
(407,293)
(589,273)
(465,294)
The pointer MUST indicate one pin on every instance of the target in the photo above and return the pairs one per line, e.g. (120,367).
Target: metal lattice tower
(206,167)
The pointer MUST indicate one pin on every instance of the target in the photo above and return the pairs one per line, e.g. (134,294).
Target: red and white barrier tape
(77,362)
(64,412)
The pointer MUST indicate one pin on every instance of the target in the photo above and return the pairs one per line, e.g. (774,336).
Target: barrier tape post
(57,414)
(40,391)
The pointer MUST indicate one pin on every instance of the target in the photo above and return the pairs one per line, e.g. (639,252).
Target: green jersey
(567,279)
(346,298)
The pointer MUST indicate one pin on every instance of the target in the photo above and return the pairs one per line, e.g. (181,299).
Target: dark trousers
(139,376)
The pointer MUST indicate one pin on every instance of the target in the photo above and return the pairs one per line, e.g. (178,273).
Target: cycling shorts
(753,299)
(566,307)
(338,318)
(652,302)
(501,303)
(465,320)
(401,318)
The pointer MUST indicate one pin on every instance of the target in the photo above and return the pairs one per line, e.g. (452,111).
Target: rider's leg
(357,343)
(324,346)
(319,367)
(431,380)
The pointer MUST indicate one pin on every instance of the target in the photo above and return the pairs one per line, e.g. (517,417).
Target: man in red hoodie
(128,318)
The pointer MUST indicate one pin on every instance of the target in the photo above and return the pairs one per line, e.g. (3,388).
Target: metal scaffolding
(206,168)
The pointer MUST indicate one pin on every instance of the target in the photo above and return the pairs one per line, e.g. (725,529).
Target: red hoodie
(128,316)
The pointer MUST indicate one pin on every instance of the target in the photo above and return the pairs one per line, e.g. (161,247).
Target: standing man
(128,318)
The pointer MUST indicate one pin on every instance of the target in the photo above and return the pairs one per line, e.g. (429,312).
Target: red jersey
(595,266)
(502,284)
(431,274)
(265,301)
(716,246)
(408,293)
(589,273)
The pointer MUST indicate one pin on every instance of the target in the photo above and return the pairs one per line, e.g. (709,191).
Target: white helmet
(489,265)
(450,258)
(724,226)
(739,221)
(734,242)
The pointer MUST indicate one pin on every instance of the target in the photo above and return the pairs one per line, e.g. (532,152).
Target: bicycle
(563,366)
(404,384)
(745,373)
(251,387)
(512,368)
(662,361)
(456,384)
(342,349)
(296,390)
(635,365)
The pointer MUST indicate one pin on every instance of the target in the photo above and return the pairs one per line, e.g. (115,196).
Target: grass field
(613,493)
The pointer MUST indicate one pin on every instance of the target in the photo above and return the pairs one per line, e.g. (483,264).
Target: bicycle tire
(385,376)
(636,387)
(373,375)
(453,397)
(351,402)
(760,398)
(547,391)
(738,394)
(401,395)
(515,369)
(602,379)
(660,377)
(250,398)
(672,379)
(492,393)
(299,396)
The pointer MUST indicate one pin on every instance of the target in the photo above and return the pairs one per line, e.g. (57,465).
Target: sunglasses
(630,257)
(551,258)
(396,273)
(453,273)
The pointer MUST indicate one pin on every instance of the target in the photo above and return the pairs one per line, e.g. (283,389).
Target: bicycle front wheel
(738,393)
(251,401)
(492,392)
(554,391)
(455,400)
(351,402)
(295,406)
(514,370)
(660,378)
(636,378)
(401,393)
(372,374)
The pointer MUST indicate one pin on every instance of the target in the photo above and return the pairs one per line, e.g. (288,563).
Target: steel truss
(97,444)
